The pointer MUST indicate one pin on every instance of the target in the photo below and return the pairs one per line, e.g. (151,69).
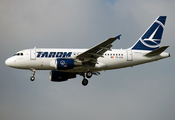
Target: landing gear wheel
(84,82)
(89,74)
(33,74)
(32,78)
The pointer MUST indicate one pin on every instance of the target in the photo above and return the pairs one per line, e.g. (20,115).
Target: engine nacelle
(57,76)
(66,63)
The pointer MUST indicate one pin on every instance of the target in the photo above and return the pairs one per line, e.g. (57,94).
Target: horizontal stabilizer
(158,51)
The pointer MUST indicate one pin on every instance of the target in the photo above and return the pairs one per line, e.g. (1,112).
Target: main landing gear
(32,78)
(85,82)
(88,75)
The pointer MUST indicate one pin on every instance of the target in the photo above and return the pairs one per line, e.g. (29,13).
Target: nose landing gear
(32,78)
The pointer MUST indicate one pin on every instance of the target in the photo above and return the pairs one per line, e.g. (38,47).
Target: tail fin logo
(151,39)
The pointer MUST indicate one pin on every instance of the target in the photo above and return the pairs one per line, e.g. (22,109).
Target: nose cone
(9,62)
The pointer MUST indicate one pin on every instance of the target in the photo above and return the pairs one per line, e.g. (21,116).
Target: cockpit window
(18,54)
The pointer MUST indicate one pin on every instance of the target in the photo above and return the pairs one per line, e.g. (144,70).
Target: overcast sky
(144,92)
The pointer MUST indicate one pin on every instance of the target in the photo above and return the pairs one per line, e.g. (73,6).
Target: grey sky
(144,92)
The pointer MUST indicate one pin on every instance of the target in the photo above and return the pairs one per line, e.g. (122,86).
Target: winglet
(118,37)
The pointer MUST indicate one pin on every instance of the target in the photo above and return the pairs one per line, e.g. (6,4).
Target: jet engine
(66,63)
(57,76)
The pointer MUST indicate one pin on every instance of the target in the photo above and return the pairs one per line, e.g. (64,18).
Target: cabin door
(33,54)
(129,55)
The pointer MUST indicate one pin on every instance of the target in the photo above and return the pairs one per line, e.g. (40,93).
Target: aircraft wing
(94,53)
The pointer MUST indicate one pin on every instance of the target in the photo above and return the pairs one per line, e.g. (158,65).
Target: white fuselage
(44,59)
(67,63)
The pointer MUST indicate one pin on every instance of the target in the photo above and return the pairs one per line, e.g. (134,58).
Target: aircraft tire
(89,74)
(84,82)
(32,78)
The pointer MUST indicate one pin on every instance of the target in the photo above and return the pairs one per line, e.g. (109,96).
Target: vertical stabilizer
(151,38)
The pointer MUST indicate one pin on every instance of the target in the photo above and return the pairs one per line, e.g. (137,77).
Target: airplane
(66,64)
